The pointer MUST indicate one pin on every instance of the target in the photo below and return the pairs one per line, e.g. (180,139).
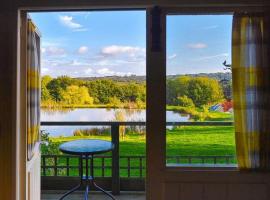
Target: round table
(86,149)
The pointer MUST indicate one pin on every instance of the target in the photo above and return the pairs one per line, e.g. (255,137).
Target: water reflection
(96,114)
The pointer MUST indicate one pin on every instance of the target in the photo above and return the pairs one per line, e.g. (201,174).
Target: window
(199,110)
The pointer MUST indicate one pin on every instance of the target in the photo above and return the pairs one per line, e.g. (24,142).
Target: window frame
(170,11)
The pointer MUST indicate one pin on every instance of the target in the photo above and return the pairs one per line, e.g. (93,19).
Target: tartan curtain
(251,90)
(33,88)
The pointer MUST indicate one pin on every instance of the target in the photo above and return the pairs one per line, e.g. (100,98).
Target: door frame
(157,172)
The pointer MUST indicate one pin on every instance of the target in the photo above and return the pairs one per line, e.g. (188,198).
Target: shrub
(114,102)
(185,101)
(92,131)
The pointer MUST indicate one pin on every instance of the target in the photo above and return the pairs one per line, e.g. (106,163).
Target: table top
(86,147)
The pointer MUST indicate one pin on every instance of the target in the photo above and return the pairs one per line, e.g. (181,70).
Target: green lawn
(184,141)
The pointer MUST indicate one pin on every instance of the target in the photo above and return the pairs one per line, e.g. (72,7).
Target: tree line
(187,91)
(67,90)
(184,91)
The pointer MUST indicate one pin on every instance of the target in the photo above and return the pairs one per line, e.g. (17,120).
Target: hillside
(139,79)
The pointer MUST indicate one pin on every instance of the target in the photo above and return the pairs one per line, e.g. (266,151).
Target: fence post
(115,160)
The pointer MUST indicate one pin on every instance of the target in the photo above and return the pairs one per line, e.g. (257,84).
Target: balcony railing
(62,170)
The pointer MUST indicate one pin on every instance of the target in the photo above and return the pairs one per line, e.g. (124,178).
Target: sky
(84,44)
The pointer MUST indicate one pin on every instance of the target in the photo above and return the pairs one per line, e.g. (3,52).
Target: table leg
(86,192)
(81,181)
(93,180)
(86,179)
(71,191)
(105,192)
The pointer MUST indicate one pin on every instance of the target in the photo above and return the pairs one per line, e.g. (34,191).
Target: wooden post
(115,160)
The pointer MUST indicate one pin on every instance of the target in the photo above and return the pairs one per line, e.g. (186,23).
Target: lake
(97,114)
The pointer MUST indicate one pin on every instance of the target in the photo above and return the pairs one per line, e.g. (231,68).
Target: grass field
(184,141)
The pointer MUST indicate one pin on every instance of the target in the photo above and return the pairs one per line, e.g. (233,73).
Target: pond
(97,114)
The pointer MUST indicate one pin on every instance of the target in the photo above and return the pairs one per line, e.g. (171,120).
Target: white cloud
(173,56)
(80,29)
(83,50)
(108,72)
(53,51)
(43,50)
(88,71)
(104,71)
(69,22)
(213,56)
(116,50)
(44,70)
(197,45)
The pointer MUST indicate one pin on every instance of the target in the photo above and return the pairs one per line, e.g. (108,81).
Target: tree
(76,95)
(184,101)
(101,90)
(203,91)
(45,93)
(176,88)
(58,85)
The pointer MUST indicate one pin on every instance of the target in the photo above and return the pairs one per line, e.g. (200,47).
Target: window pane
(199,90)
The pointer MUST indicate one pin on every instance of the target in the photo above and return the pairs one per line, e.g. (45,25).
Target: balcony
(115,172)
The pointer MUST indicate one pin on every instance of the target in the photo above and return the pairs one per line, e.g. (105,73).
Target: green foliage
(57,85)
(45,93)
(76,95)
(176,88)
(114,102)
(92,131)
(183,141)
(47,146)
(201,90)
(184,101)
(68,91)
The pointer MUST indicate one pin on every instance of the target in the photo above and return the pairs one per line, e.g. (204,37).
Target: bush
(47,146)
(185,101)
(92,131)
(114,102)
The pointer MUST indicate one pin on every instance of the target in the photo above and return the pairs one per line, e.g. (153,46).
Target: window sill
(201,167)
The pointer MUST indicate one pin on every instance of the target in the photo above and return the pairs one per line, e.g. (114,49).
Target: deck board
(54,195)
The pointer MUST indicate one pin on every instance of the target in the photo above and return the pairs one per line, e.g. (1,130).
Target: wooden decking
(54,195)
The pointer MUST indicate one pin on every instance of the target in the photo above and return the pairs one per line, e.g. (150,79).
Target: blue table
(86,149)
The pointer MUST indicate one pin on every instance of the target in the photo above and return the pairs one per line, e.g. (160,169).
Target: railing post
(115,160)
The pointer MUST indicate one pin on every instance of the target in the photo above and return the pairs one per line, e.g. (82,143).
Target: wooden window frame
(155,71)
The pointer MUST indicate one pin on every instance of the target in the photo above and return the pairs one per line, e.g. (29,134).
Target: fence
(109,167)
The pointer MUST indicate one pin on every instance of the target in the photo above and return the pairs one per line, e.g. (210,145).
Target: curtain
(33,89)
(251,90)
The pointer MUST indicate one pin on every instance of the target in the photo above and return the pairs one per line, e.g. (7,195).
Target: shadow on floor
(55,195)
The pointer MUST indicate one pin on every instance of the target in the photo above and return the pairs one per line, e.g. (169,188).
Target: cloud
(44,70)
(197,45)
(80,29)
(53,51)
(213,56)
(88,71)
(83,50)
(116,50)
(69,22)
(173,56)
(108,72)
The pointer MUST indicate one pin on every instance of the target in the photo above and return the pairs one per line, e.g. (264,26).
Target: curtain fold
(251,90)
(33,88)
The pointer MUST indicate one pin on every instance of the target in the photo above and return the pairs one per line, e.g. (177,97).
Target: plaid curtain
(251,90)
(33,88)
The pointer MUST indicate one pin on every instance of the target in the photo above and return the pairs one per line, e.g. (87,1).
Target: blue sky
(81,44)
